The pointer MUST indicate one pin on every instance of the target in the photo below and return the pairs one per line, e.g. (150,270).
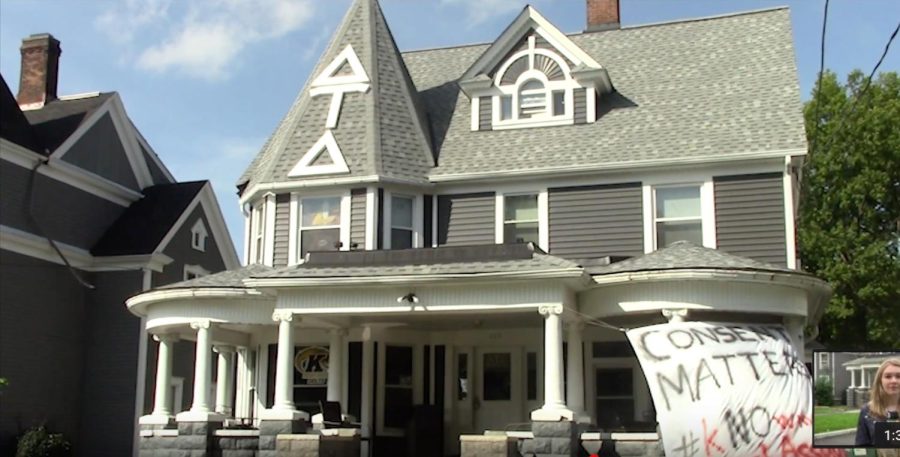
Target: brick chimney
(602,15)
(40,70)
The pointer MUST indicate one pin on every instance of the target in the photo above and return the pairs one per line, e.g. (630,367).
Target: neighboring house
(430,219)
(832,365)
(861,372)
(89,216)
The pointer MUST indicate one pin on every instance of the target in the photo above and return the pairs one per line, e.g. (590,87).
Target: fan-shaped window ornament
(549,67)
(515,70)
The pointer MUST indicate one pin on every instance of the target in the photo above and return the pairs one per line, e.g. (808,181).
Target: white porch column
(224,380)
(575,371)
(852,378)
(200,408)
(554,408)
(367,421)
(283,407)
(162,413)
(336,365)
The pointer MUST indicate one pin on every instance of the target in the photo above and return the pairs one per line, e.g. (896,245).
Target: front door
(499,399)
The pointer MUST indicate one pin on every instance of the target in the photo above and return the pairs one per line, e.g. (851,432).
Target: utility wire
(30,212)
(815,132)
(852,108)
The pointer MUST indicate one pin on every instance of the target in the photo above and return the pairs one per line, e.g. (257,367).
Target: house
(89,216)
(452,239)
(861,372)
(832,365)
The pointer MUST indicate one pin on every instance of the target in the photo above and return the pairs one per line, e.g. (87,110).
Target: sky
(207,81)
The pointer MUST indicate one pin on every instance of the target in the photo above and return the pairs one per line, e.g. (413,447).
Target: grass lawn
(829,419)
(823,410)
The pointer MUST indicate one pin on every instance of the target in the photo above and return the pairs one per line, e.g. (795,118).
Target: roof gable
(529,27)
(100,151)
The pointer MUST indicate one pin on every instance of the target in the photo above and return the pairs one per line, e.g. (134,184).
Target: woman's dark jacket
(865,428)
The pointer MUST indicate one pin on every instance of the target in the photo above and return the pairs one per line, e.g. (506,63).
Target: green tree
(849,225)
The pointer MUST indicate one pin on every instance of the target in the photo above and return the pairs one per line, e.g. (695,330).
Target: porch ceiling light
(409,298)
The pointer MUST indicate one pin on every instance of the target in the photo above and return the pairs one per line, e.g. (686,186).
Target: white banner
(727,390)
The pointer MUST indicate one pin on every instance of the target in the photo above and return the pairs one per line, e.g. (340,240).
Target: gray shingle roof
(694,90)
(872,360)
(537,262)
(720,87)
(223,279)
(381,132)
(683,255)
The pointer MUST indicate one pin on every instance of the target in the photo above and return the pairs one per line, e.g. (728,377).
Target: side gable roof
(14,126)
(149,224)
(692,91)
(381,129)
(145,223)
(57,120)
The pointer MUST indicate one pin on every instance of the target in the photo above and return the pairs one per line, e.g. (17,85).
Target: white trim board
(31,245)
(325,145)
(207,199)
(69,174)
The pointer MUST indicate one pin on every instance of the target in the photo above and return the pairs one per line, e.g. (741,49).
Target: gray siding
(580,101)
(66,214)
(282,230)
(358,218)
(466,219)
(110,363)
(485,106)
(750,216)
(100,151)
(159,177)
(180,249)
(596,221)
(41,346)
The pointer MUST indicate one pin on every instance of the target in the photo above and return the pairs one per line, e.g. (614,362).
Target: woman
(884,398)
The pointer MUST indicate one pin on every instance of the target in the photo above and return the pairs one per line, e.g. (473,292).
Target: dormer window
(198,236)
(533,87)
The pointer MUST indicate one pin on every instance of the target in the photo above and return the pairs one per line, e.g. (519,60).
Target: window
(401,222)
(531,369)
(678,216)
(615,397)
(194,272)
(198,236)
(258,230)
(320,224)
(823,360)
(532,99)
(520,219)
(398,386)
(462,378)
(505,107)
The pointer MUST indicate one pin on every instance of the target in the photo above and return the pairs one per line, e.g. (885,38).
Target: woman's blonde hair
(878,398)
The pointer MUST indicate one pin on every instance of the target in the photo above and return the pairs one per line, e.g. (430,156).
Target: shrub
(37,442)
(823,390)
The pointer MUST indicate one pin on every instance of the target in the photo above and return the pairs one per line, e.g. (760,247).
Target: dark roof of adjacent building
(459,260)
(146,222)
(693,90)
(57,120)
(14,126)
(229,279)
(684,255)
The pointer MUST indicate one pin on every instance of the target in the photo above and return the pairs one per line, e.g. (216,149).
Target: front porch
(506,346)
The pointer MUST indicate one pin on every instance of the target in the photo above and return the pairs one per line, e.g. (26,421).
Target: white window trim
(197,270)
(707,209)
(568,85)
(543,215)
(199,235)
(295,214)
(417,215)
(258,215)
